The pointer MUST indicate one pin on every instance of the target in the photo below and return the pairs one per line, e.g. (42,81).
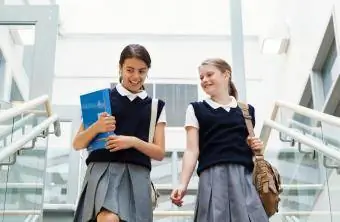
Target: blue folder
(92,105)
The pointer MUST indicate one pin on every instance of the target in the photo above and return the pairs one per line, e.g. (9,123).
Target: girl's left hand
(255,143)
(115,143)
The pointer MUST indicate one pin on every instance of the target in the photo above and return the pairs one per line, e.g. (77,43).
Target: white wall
(307,21)
(153,16)
(87,63)
(178,34)
(268,77)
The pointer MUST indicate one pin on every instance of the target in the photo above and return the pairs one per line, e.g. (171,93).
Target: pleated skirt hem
(123,189)
(226,194)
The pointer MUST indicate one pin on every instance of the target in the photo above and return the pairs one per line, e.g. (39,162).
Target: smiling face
(213,80)
(134,64)
(133,73)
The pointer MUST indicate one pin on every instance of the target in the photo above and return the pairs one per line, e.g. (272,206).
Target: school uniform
(120,181)
(225,192)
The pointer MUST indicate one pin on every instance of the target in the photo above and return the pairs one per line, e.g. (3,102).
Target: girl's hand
(255,143)
(177,195)
(105,123)
(115,143)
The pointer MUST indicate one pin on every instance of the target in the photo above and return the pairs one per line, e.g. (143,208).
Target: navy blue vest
(222,136)
(132,119)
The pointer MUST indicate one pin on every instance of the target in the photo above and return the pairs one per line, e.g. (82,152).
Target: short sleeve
(190,118)
(162,116)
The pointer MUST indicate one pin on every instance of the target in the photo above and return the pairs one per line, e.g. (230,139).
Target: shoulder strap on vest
(154,108)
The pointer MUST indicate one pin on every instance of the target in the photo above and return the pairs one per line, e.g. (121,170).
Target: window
(149,89)
(302,118)
(2,75)
(326,71)
(177,98)
(306,101)
(15,92)
(337,110)
(307,120)
(324,66)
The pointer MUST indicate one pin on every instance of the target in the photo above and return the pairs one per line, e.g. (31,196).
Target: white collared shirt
(190,117)
(142,94)
(124,92)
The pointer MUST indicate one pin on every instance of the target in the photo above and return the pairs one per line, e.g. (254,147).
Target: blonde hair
(223,67)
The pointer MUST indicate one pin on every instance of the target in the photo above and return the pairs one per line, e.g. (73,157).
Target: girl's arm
(155,150)
(190,156)
(105,123)
(83,137)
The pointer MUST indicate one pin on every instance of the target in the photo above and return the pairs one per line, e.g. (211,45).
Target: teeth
(134,83)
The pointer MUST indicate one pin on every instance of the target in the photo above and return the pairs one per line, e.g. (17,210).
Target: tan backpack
(266,178)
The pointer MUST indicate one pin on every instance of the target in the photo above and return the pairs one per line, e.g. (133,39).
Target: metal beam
(237,47)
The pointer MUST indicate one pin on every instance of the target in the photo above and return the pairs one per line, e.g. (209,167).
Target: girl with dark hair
(117,182)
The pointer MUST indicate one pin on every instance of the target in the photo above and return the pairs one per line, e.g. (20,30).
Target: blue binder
(92,105)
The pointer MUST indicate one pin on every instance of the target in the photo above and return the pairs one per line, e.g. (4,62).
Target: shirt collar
(124,92)
(215,105)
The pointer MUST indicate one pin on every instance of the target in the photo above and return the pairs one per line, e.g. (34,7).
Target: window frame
(154,82)
(321,100)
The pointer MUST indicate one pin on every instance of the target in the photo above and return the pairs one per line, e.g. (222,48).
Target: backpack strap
(245,111)
(154,108)
(247,117)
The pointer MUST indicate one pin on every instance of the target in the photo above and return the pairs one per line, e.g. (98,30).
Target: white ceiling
(160,17)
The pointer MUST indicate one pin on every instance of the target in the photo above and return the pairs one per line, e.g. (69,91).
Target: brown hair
(134,51)
(223,66)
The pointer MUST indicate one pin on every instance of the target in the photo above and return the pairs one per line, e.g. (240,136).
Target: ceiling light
(276,45)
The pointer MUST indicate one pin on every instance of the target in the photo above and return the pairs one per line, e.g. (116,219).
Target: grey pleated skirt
(226,194)
(123,189)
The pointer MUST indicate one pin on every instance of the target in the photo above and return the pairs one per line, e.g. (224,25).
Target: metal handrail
(314,131)
(36,131)
(17,125)
(20,212)
(318,146)
(21,185)
(310,113)
(316,115)
(29,106)
(17,145)
(19,109)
